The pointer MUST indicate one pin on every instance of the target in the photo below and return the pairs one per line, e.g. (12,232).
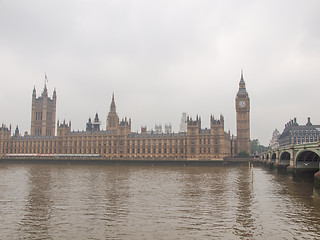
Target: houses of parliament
(118,142)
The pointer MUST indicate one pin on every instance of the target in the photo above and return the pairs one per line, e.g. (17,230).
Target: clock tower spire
(243,117)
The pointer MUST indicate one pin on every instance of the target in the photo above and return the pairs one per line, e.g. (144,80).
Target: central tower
(113,119)
(243,117)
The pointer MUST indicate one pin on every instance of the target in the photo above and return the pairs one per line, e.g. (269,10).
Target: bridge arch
(307,158)
(273,157)
(267,158)
(284,158)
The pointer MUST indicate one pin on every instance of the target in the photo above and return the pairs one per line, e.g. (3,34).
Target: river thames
(155,202)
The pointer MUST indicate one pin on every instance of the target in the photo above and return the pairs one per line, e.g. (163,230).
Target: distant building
(274,142)
(294,133)
(158,128)
(168,128)
(183,124)
(93,126)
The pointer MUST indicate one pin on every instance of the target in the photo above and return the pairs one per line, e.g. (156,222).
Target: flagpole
(45,80)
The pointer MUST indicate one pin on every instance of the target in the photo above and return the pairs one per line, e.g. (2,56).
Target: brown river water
(155,202)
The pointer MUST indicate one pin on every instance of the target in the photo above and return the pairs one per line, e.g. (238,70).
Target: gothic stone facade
(119,142)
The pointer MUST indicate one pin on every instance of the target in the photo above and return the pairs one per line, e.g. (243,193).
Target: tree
(256,147)
(243,154)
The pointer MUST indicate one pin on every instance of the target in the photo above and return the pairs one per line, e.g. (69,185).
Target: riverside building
(294,133)
(118,141)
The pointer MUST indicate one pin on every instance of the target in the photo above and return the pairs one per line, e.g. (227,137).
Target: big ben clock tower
(243,117)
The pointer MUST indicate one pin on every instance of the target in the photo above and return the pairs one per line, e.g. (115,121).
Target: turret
(96,123)
(45,91)
(217,125)
(63,128)
(216,122)
(5,135)
(89,125)
(54,95)
(193,127)
(125,126)
(16,132)
(34,94)
(5,132)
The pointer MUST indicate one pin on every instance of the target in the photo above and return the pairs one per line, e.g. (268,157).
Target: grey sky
(162,58)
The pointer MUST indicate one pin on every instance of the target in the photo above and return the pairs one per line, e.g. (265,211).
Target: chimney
(309,122)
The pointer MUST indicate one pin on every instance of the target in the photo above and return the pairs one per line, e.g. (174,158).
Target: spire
(113,105)
(112,119)
(96,118)
(54,94)
(34,93)
(242,86)
(16,132)
(45,91)
(242,80)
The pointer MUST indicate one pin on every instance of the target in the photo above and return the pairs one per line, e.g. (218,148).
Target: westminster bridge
(301,156)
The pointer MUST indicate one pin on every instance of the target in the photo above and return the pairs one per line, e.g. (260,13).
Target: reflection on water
(245,221)
(144,202)
(38,205)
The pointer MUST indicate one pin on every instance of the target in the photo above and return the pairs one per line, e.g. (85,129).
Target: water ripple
(137,202)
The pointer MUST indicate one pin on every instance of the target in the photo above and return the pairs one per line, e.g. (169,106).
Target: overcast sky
(162,58)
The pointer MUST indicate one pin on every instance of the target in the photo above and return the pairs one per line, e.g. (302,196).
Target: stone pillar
(291,167)
(292,156)
(277,157)
(317,179)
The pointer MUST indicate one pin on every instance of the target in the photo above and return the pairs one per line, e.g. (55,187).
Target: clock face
(242,103)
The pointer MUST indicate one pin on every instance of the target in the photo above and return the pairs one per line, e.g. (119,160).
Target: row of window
(27,144)
(206,140)
(304,131)
(128,142)
(109,143)
(109,150)
(132,143)
(299,140)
